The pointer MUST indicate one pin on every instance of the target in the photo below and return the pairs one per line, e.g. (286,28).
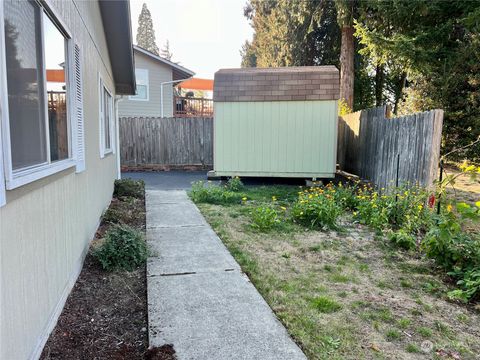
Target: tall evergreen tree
(145,32)
(165,52)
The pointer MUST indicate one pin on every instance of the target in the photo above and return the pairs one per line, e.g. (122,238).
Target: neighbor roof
(118,33)
(179,72)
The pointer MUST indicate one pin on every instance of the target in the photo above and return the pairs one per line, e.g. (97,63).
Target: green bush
(124,249)
(317,208)
(235,184)
(213,194)
(129,187)
(264,218)
(113,216)
(457,250)
(403,239)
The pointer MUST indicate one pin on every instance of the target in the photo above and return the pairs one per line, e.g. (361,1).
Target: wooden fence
(386,150)
(147,142)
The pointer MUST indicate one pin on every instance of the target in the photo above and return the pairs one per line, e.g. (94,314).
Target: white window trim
(134,97)
(103,150)
(20,177)
(3,80)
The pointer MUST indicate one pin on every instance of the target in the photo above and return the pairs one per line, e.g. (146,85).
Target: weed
(264,218)
(124,249)
(412,348)
(325,305)
(213,194)
(315,248)
(404,323)
(235,184)
(339,278)
(406,284)
(424,331)
(393,334)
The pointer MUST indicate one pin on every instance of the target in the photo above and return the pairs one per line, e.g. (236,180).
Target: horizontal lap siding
(157,74)
(46,226)
(275,137)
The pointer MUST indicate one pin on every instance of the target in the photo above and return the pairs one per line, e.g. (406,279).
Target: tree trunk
(347,74)
(399,92)
(379,84)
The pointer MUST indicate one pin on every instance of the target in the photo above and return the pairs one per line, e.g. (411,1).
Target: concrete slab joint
(198,298)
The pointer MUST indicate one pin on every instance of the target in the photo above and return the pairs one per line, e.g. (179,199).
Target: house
(63,65)
(156,79)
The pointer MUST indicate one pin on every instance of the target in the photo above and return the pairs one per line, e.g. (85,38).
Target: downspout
(117,135)
(161,92)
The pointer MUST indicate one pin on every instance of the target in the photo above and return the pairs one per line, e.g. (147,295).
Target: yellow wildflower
(244,198)
(449,207)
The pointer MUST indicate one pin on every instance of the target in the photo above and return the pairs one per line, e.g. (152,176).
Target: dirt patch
(105,316)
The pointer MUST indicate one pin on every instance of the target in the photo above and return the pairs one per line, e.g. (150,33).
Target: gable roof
(118,33)
(178,72)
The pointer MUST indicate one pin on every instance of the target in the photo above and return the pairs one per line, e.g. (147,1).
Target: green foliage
(124,248)
(235,184)
(213,194)
(264,218)
(325,304)
(317,208)
(129,187)
(403,239)
(456,250)
(145,31)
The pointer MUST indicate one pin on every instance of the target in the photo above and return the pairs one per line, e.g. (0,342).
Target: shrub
(124,249)
(264,218)
(235,184)
(403,239)
(129,187)
(113,216)
(317,208)
(213,194)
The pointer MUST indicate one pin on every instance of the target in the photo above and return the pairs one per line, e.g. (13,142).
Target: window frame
(102,88)
(23,176)
(134,97)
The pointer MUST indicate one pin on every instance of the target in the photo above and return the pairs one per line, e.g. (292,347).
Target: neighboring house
(62,65)
(156,78)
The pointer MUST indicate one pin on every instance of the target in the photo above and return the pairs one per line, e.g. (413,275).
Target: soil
(105,316)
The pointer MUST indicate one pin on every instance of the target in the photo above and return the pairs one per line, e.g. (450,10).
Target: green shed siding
(276,138)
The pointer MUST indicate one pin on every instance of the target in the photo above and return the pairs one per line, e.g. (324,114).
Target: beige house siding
(46,226)
(157,74)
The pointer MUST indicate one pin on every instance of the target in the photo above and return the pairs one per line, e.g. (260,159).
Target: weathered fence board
(378,148)
(166,142)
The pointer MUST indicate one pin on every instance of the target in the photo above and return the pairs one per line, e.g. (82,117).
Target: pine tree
(145,32)
(165,52)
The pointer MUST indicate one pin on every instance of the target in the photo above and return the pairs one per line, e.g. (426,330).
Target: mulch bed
(105,316)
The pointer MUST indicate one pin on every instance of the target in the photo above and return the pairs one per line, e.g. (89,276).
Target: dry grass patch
(348,294)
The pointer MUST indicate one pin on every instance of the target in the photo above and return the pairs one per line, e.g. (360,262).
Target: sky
(204,35)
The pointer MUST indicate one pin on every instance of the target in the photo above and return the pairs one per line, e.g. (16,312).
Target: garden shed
(276,122)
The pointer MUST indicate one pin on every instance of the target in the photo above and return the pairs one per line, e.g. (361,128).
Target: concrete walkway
(198,298)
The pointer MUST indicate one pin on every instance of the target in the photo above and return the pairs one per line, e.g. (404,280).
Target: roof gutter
(161,92)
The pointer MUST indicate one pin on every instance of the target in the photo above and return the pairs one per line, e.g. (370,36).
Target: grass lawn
(346,293)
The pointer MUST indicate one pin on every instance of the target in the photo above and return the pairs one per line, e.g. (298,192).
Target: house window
(36,65)
(142,85)
(106,120)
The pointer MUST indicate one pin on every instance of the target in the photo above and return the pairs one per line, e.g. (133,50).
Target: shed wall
(278,138)
(157,73)
(46,226)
